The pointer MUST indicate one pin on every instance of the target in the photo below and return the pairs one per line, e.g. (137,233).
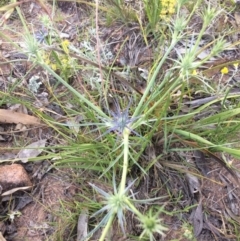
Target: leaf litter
(32,150)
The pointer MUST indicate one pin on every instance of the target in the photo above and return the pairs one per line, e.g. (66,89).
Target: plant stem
(86,101)
(126,133)
(209,144)
(133,209)
(107,227)
(152,79)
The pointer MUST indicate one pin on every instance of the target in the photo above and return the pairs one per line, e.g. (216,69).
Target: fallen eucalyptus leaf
(32,150)
(198,220)
(8,116)
(15,190)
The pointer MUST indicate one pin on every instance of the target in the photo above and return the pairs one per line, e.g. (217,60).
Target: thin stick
(98,45)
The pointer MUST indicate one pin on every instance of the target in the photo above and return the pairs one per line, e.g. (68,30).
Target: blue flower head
(41,35)
(120,120)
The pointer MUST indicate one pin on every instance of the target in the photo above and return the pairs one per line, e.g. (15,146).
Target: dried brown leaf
(9,6)
(8,116)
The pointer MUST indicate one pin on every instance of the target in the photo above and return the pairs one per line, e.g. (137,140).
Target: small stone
(13,176)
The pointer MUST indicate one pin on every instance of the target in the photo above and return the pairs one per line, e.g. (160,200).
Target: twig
(98,45)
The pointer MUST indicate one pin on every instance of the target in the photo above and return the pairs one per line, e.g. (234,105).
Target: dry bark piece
(13,176)
(82,227)
(237,18)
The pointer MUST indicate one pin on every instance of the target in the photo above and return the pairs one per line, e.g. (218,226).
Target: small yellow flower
(194,72)
(224,70)
(235,65)
(54,67)
(171,10)
(65,43)
(167,8)
(163,12)
(47,61)
(64,61)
